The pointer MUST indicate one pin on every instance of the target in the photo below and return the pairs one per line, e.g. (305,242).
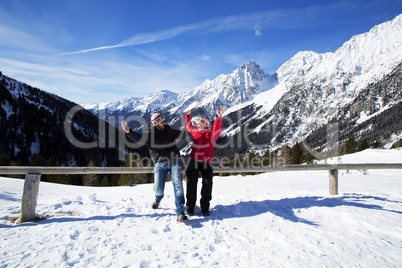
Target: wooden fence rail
(33,174)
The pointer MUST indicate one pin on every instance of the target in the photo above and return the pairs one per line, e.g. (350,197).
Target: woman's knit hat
(203,121)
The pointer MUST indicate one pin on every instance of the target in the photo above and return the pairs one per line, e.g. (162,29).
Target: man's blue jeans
(161,170)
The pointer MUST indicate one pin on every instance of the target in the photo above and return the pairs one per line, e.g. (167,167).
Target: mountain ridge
(304,94)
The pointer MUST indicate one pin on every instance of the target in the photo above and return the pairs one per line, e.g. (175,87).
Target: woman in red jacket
(202,152)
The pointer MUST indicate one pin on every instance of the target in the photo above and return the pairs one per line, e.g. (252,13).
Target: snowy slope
(282,219)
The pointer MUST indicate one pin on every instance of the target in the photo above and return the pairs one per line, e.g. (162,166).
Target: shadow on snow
(284,208)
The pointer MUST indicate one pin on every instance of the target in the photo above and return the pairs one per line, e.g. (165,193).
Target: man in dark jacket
(161,141)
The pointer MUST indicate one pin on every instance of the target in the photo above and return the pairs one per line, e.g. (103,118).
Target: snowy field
(282,219)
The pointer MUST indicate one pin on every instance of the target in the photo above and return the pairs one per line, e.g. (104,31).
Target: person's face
(202,124)
(161,125)
(200,127)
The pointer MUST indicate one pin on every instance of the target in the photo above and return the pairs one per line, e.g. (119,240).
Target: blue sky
(100,51)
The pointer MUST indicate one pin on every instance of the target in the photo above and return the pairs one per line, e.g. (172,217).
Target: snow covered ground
(282,219)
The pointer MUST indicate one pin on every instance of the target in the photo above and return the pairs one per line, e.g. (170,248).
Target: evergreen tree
(308,157)
(296,156)
(267,158)
(377,144)
(105,181)
(51,162)
(397,144)
(90,179)
(285,153)
(4,161)
(363,145)
(251,159)
(350,145)
(38,161)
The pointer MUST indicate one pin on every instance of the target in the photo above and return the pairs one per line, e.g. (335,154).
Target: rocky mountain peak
(306,92)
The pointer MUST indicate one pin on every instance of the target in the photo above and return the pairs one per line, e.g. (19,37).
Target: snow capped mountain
(372,54)
(239,86)
(232,89)
(305,93)
(314,89)
(131,104)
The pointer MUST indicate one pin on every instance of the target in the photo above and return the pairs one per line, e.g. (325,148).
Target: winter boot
(156,203)
(190,211)
(181,217)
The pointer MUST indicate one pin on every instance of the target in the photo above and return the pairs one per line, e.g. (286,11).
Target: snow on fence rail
(33,174)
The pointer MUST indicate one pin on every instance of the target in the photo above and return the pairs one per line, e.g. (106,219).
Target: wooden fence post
(333,182)
(29,197)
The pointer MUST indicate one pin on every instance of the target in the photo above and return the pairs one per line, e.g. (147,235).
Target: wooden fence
(33,174)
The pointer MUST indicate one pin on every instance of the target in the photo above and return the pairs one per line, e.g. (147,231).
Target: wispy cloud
(256,22)
(16,40)
(257,30)
(205,57)
(143,38)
